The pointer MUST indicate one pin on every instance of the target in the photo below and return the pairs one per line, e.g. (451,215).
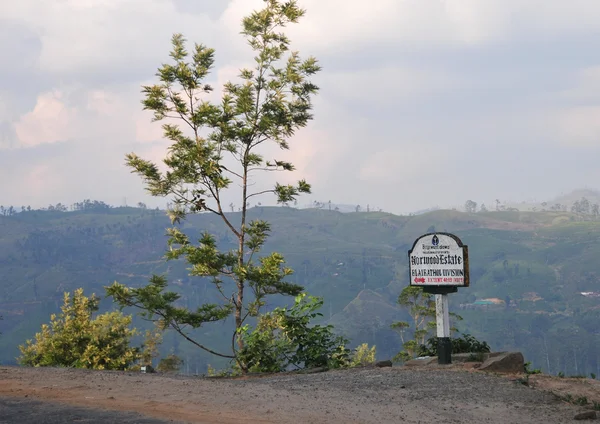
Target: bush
(465,344)
(171,363)
(363,355)
(74,339)
(284,338)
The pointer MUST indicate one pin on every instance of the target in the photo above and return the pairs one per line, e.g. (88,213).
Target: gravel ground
(380,395)
(24,411)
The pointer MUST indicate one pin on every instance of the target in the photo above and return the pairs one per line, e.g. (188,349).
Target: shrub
(465,344)
(363,355)
(74,339)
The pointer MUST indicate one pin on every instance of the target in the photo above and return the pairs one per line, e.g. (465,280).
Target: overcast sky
(422,102)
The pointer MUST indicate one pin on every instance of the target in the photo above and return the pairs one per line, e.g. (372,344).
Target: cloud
(499,89)
(48,122)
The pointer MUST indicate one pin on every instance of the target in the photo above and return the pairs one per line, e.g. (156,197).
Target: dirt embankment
(385,395)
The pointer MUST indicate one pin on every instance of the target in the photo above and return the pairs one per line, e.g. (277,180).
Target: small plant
(578,376)
(213,372)
(581,401)
(363,355)
(529,371)
(561,374)
(596,405)
(593,376)
(171,363)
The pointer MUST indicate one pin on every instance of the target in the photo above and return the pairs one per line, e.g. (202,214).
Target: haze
(423,103)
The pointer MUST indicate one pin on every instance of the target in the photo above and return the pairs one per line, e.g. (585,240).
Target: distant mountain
(538,263)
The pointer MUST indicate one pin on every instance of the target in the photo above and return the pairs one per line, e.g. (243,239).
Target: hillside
(536,263)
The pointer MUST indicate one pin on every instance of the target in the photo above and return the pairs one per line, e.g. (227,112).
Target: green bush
(529,371)
(465,344)
(363,355)
(74,339)
(285,338)
(171,363)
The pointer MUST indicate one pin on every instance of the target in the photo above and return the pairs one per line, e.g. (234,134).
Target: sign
(439,259)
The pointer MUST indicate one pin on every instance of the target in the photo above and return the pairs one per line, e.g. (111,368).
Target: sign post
(439,263)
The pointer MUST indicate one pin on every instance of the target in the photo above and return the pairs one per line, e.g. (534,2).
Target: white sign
(439,259)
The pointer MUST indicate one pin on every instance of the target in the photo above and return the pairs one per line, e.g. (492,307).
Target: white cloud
(50,121)
(468,75)
(105,35)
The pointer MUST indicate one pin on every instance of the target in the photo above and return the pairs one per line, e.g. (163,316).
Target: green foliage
(171,363)
(527,369)
(421,307)
(593,376)
(212,372)
(74,339)
(363,355)
(465,344)
(561,374)
(217,147)
(285,338)
(43,250)
(149,351)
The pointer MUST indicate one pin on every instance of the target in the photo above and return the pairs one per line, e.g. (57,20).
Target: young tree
(74,339)
(153,338)
(216,148)
(421,307)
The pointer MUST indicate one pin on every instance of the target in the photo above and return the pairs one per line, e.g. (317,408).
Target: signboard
(439,259)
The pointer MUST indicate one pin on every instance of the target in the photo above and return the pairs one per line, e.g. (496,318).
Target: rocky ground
(375,395)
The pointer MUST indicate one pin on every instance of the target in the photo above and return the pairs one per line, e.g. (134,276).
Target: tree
(171,363)
(74,339)
(421,307)
(218,149)
(153,338)
(470,206)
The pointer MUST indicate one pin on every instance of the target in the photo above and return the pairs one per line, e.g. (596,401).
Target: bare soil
(375,395)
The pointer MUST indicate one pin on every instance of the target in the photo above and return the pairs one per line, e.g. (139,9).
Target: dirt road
(380,395)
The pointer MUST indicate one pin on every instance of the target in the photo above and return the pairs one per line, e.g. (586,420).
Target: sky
(422,103)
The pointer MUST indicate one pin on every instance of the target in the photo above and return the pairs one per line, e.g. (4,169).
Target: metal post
(442,318)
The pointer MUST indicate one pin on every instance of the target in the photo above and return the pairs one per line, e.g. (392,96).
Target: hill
(537,264)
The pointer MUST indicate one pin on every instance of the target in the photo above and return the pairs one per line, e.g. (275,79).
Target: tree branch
(180,331)
(181,115)
(259,193)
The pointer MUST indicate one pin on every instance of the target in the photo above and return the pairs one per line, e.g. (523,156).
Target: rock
(312,370)
(587,415)
(472,357)
(382,364)
(507,362)
(421,362)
